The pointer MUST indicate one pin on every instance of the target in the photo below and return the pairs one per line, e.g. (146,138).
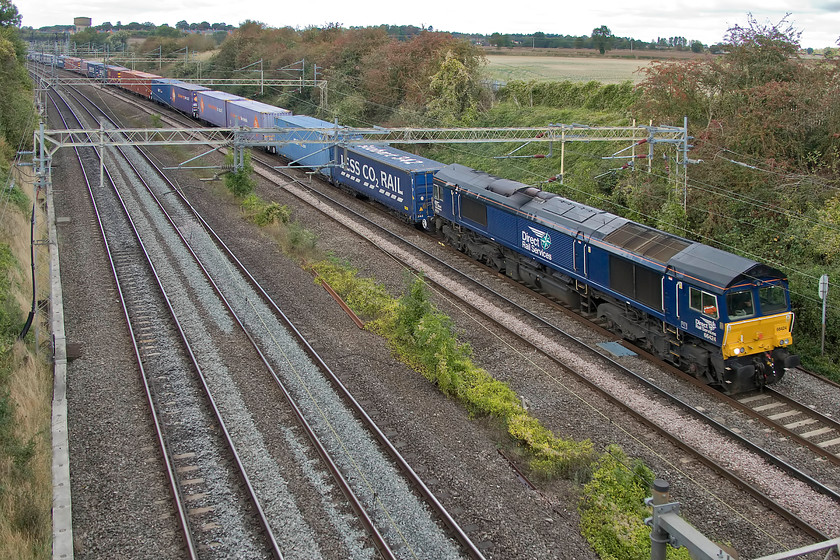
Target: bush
(16,196)
(612,511)
(425,339)
(300,240)
(265,213)
(368,299)
(240,183)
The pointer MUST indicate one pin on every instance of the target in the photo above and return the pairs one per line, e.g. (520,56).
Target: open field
(505,68)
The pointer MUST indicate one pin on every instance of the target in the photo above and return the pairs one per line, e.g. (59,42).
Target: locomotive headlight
(784,342)
(738,351)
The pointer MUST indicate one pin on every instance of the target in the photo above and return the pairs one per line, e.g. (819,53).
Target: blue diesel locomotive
(723,318)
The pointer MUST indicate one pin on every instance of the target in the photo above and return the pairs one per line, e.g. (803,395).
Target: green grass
(555,68)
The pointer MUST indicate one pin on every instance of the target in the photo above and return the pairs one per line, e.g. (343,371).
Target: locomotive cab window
(703,302)
(438,192)
(772,299)
(739,305)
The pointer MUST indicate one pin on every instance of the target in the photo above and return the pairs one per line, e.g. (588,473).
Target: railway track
(808,427)
(394,519)
(455,283)
(192,456)
(510,307)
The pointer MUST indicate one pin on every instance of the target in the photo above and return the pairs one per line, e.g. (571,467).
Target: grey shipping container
(253,114)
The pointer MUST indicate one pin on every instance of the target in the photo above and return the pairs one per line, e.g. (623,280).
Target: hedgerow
(590,95)
(425,339)
(264,213)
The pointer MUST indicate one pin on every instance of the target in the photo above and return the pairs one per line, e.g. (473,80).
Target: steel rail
(470,547)
(355,502)
(161,437)
(268,533)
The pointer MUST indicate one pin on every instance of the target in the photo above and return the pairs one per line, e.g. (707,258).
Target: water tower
(81,23)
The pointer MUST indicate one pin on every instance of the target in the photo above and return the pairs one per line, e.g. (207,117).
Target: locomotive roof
(708,267)
(717,270)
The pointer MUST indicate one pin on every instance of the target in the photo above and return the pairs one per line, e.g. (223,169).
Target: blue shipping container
(184,97)
(310,152)
(162,90)
(397,179)
(95,69)
(212,106)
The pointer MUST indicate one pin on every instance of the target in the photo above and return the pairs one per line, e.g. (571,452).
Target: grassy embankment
(25,392)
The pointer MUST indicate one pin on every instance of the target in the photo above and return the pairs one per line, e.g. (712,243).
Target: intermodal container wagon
(115,75)
(185,97)
(253,114)
(397,179)
(308,149)
(162,90)
(212,106)
(138,82)
(72,63)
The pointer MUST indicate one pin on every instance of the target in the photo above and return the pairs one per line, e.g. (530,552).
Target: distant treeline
(600,37)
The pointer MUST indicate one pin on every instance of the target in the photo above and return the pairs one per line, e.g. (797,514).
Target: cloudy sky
(706,21)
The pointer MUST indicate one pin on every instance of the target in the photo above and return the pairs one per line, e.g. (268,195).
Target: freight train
(721,317)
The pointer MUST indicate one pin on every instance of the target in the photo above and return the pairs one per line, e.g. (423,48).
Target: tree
(182,25)
(499,40)
(120,38)
(602,37)
(455,92)
(761,53)
(696,47)
(9,16)
(166,31)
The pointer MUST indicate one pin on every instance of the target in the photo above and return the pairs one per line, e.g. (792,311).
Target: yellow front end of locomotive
(761,334)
